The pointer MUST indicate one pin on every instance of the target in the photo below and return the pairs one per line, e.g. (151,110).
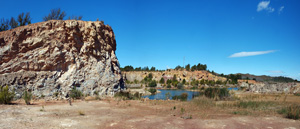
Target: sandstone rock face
(55,56)
(266,87)
(157,75)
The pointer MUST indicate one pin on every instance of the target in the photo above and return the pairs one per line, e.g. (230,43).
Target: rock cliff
(52,57)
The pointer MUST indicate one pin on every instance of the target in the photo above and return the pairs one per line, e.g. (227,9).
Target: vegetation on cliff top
(25,19)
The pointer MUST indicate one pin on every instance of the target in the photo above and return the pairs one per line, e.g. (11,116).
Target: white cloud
(243,54)
(264,5)
(280,9)
(275,71)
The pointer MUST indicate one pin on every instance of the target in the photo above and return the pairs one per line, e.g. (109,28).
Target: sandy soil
(112,113)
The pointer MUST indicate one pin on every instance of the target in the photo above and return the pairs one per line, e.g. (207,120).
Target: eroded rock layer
(52,57)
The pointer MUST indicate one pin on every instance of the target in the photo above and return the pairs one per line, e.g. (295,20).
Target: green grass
(291,112)
(256,105)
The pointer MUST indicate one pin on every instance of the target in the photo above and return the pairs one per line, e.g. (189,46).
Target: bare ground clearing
(114,113)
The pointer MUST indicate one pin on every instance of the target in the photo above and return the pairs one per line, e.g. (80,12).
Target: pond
(162,94)
(233,88)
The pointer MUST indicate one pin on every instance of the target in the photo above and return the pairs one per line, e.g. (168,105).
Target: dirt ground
(113,113)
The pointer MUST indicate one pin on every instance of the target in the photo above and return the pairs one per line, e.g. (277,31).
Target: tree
(183,81)
(75,17)
(194,67)
(150,76)
(127,68)
(152,83)
(152,68)
(188,67)
(13,23)
(202,81)
(178,67)
(213,72)
(168,86)
(162,81)
(24,20)
(152,91)
(174,78)
(4,24)
(169,81)
(146,68)
(55,14)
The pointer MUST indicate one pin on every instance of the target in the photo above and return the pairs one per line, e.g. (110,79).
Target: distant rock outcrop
(168,74)
(55,56)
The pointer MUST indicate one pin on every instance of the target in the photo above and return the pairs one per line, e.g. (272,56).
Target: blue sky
(221,34)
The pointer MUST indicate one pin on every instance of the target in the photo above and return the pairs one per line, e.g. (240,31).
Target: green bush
(128,96)
(218,93)
(297,94)
(182,97)
(125,95)
(162,81)
(180,86)
(27,96)
(152,83)
(169,86)
(152,91)
(75,94)
(5,95)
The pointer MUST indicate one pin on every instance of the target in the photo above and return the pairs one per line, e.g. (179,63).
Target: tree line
(25,19)
(188,67)
(146,68)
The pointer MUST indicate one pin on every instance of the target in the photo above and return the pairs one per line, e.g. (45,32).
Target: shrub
(152,91)
(27,96)
(5,95)
(162,81)
(221,93)
(169,81)
(124,95)
(180,86)
(152,83)
(297,94)
(182,97)
(169,86)
(75,94)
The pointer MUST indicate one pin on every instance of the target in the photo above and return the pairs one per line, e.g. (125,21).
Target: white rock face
(55,56)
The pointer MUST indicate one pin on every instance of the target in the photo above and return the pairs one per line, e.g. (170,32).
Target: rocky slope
(53,57)
(180,74)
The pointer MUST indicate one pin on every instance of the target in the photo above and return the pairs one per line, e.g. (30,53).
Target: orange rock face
(55,56)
